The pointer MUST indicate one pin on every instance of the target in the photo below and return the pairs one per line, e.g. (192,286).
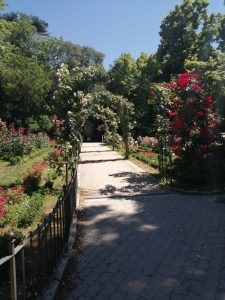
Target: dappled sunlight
(120,212)
(147,227)
(150,244)
(142,241)
(108,237)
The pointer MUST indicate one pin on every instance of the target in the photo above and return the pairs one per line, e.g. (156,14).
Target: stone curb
(194,191)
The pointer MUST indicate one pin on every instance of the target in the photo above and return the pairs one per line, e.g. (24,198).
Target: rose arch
(80,98)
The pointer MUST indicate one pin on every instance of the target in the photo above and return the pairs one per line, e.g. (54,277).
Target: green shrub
(114,139)
(14,160)
(23,215)
(45,123)
(55,160)
(32,125)
(32,179)
(52,175)
(42,140)
(151,162)
(15,142)
(42,123)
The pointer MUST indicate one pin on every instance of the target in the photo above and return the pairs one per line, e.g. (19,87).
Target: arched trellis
(81,95)
(114,111)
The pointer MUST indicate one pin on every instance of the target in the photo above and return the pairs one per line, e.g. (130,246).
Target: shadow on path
(94,161)
(160,247)
(133,183)
(98,151)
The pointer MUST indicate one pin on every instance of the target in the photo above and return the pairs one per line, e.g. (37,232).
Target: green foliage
(153,162)
(53,52)
(213,70)
(55,160)
(49,181)
(207,171)
(41,140)
(24,214)
(29,57)
(14,143)
(41,123)
(39,24)
(122,76)
(179,35)
(20,97)
(113,138)
(32,178)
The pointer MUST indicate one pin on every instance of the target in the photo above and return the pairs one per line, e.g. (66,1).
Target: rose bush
(186,125)
(10,197)
(32,179)
(189,115)
(149,142)
(18,142)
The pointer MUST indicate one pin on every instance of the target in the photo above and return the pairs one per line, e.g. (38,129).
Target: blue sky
(110,26)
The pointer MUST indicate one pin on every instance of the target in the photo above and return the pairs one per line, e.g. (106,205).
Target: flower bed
(20,204)
(15,143)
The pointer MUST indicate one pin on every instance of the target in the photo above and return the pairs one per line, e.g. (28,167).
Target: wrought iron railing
(29,266)
(207,173)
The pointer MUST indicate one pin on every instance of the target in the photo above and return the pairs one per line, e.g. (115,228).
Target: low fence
(29,266)
(206,173)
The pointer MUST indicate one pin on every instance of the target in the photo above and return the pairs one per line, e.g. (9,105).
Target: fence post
(66,174)
(13,288)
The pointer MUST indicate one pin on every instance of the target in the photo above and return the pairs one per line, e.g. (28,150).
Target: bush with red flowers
(16,142)
(32,179)
(187,118)
(10,197)
(55,159)
(192,119)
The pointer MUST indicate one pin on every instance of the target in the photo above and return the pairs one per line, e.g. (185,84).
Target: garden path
(140,241)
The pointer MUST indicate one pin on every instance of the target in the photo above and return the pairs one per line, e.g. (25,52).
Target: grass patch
(12,175)
(151,170)
(148,158)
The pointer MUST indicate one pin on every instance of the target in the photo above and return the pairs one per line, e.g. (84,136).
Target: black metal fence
(206,173)
(29,266)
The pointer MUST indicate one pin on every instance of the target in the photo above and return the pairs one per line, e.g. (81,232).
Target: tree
(24,86)
(213,70)
(210,36)
(54,52)
(122,76)
(22,37)
(28,60)
(179,35)
(40,25)
(2,4)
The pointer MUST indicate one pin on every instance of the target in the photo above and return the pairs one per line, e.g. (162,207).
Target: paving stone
(197,287)
(176,297)
(161,246)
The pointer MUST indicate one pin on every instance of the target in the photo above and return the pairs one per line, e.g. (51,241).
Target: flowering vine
(189,118)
